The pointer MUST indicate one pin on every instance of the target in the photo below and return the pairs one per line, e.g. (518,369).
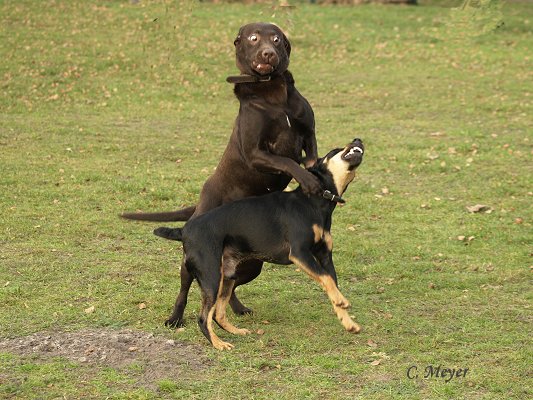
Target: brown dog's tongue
(264,68)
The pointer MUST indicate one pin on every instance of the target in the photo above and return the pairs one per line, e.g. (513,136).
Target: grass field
(117,106)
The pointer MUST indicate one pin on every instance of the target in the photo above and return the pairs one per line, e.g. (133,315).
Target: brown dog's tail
(169,216)
(169,233)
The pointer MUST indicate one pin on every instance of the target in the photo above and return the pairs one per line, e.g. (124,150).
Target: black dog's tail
(169,233)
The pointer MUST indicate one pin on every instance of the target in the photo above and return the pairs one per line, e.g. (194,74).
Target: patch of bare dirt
(154,357)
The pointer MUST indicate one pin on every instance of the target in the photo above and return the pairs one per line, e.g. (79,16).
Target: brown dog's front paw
(174,323)
(310,184)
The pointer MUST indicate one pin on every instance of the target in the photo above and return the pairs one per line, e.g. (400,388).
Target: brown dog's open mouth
(262,68)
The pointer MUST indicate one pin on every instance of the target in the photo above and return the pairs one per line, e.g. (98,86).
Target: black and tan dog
(274,127)
(281,228)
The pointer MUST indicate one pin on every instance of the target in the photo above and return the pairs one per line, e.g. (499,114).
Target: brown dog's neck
(273,91)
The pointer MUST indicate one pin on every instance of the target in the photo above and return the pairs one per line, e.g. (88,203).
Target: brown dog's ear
(287,44)
(238,38)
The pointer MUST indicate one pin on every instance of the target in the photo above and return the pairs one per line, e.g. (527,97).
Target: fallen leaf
(89,310)
(479,208)
(375,362)
(141,306)
(371,343)
(431,285)
(518,221)
(260,332)
(133,348)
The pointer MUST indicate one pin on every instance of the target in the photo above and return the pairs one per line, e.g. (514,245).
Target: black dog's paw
(174,323)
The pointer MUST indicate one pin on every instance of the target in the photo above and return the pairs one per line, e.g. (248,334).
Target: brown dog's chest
(284,140)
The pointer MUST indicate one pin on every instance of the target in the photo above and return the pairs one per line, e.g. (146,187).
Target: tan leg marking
(319,233)
(340,303)
(221,305)
(218,343)
(346,320)
(329,240)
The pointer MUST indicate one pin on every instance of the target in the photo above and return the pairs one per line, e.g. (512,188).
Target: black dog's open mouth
(352,152)
(262,68)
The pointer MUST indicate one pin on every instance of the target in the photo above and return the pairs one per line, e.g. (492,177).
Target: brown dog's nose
(268,54)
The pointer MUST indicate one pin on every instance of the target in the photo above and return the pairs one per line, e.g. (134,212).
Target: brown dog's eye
(253,38)
(276,39)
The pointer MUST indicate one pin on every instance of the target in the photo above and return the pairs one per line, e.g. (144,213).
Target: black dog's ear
(287,44)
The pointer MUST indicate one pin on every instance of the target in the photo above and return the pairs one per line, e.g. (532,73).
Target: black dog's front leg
(305,260)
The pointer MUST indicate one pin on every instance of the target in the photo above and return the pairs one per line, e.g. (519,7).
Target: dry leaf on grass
(479,208)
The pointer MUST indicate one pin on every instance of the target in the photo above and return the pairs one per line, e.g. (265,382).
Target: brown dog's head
(262,49)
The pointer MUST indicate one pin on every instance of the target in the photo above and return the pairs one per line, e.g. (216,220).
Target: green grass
(100,99)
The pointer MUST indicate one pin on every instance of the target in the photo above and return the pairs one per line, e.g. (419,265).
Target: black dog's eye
(252,38)
(276,39)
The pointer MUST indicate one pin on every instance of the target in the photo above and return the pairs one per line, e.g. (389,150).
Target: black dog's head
(341,163)
(262,49)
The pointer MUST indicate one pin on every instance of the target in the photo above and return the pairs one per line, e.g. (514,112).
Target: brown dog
(273,129)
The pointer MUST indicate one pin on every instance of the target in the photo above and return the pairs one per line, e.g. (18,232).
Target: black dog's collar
(332,197)
(246,79)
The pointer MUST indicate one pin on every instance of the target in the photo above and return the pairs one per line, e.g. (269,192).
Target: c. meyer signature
(437,372)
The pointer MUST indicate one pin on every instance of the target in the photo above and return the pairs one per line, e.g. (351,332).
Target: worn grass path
(113,106)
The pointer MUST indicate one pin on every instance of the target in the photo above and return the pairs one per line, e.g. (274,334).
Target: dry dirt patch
(155,357)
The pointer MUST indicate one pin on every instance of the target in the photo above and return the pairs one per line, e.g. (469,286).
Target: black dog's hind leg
(211,283)
(220,311)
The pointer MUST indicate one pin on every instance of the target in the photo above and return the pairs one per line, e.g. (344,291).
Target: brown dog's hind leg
(248,271)
(220,309)
(176,318)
